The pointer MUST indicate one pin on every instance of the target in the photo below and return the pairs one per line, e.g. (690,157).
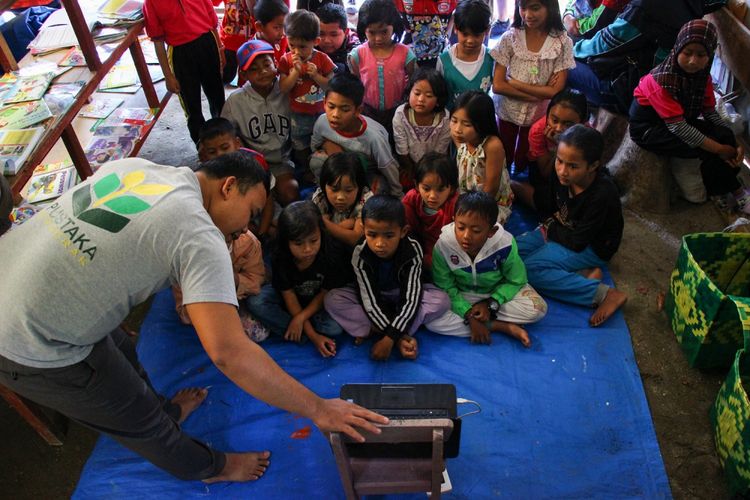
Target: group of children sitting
(363,129)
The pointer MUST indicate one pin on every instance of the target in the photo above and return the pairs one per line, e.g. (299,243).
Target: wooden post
(142,68)
(85,40)
(34,415)
(76,153)
(7,61)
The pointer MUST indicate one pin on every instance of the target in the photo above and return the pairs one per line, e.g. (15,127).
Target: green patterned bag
(731,419)
(706,290)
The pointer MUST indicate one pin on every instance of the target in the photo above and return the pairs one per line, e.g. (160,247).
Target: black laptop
(405,401)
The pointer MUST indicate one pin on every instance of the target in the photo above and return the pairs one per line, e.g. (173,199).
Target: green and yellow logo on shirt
(117,196)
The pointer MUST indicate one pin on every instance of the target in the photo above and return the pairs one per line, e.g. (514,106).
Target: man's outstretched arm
(251,368)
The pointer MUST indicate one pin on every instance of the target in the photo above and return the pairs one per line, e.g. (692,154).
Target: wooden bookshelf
(62,127)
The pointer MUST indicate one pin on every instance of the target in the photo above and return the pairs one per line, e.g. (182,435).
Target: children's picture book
(131,89)
(73,57)
(100,107)
(110,143)
(44,168)
(29,88)
(61,96)
(15,147)
(22,213)
(24,114)
(130,116)
(49,185)
(121,9)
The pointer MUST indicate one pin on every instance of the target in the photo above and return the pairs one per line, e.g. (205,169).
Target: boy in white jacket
(476,262)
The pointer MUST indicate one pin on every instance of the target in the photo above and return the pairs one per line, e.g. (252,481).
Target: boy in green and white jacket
(476,262)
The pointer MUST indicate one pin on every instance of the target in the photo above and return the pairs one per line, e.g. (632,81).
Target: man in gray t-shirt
(81,264)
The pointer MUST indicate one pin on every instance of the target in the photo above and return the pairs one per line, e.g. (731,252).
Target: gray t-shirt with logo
(72,273)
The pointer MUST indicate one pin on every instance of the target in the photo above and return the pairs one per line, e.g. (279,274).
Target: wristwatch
(493,305)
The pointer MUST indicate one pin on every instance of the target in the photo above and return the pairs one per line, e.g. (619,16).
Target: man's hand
(294,330)
(381,349)
(337,415)
(172,84)
(479,333)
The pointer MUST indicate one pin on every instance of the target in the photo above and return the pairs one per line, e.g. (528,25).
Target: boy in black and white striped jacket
(390,301)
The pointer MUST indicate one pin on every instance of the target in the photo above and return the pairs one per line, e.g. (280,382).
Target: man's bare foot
(188,400)
(513,330)
(592,273)
(241,467)
(408,347)
(614,300)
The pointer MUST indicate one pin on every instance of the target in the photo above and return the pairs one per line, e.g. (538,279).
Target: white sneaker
(687,174)
(743,201)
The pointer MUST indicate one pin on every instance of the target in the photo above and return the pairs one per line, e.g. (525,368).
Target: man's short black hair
(215,127)
(239,164)
(480,203)
(348,86)
(266,11)
(302,24)
(333,13)
(472,16)
(384,208)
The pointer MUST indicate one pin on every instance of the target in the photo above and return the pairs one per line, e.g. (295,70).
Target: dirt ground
(679,397)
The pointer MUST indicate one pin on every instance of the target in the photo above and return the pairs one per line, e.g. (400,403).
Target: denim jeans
(268,308)
(552,269)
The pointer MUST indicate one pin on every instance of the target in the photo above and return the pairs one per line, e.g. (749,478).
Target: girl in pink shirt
(382,63)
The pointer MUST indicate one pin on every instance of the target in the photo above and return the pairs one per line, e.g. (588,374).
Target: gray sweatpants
(110,392)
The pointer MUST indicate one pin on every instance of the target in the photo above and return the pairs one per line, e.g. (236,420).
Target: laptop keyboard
(412,413)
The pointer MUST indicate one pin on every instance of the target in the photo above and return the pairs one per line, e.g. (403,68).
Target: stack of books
(120,12)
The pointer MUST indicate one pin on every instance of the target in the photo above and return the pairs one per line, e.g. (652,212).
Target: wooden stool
(383,475)
(644,178)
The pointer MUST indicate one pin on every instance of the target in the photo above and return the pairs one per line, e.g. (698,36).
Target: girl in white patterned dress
(480,156)
(532,60)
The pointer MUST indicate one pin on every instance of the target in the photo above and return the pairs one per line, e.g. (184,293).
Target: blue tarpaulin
(567,418)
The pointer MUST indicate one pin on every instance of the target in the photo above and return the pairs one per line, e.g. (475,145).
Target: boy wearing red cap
(261,113)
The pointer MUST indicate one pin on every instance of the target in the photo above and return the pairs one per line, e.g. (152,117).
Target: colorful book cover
(15,147)
(29,88)
(110,143)
(73,57)
(51,167)
(24,114)
(130,116)
(49,185)
(61,96)
(22,213)
(100,107)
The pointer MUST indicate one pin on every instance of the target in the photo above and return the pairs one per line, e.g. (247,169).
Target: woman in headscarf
(664,119)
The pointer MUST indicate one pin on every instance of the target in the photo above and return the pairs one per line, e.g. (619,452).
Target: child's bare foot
(513,330)
(614,300)
(381,350)
(407,346)
(592,273)
(247,466)
(188,400)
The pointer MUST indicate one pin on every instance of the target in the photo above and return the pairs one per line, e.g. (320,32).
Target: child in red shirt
(304,74)
(195,58)
(269,25)
(431,205)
